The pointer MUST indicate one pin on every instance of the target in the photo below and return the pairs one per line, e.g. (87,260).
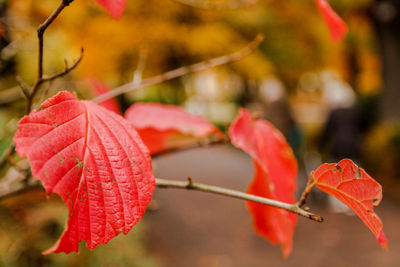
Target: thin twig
(190,185)
(200,144)
(6,192)
(307,190)
(30,95)
(169,75)
(137,75)
(66,71)
(40,32)
(23,86)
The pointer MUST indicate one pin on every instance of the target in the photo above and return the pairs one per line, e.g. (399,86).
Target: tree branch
(7,191)
(190,185)
(66,71)
(40,32)
(307,190)
(169,75)
(30,95)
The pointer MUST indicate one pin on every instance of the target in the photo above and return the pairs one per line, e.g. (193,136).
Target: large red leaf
(100,88)
(355,188)
(164,127)
(275,176)
(114,7)
(337,27)
(95,160)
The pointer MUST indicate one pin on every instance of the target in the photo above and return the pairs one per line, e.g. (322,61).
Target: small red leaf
(164,127)
(100,88)
(114,7)
(355,188)
(275,177)
(337,27)
(95,160)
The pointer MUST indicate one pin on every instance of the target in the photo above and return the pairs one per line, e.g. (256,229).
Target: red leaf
(95,160)
(355,188)
(164,127)
(275,177)
(100,88)
(337,27)
(114,7)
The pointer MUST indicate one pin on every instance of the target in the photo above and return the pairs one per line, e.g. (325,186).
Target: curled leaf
(95,160)
(164,127)
(275,177)
(355,188)
(337,27)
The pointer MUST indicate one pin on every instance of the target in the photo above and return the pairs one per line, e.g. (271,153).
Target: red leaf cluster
(96,161)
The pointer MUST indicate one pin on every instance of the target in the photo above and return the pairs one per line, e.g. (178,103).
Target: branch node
(307,191)
(316,218)
(190,183)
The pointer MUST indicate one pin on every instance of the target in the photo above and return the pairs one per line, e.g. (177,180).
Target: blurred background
(330,100)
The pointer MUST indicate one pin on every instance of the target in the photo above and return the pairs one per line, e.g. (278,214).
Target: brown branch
(199,144)
(40,32)
(169,75)
(190,185)
(66,71)
(307,190)
(8,191)
(30,94)
(23,86)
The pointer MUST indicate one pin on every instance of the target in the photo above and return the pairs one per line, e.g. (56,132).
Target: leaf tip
(336,26)
(383,240)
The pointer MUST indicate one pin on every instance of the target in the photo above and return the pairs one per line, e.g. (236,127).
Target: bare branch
(137,75)
(6,191)
(30,95)
(307,190)
(169,75)
(202,143)
(66,71)
(190,185)
(41,30)
(23,86)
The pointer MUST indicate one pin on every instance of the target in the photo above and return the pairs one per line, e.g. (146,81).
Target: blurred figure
(342,131)
(341,136)
(275,108)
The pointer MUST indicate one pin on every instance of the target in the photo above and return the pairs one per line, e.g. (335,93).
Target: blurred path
(200,229)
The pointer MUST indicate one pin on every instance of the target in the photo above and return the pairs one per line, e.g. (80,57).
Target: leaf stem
(190,185)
